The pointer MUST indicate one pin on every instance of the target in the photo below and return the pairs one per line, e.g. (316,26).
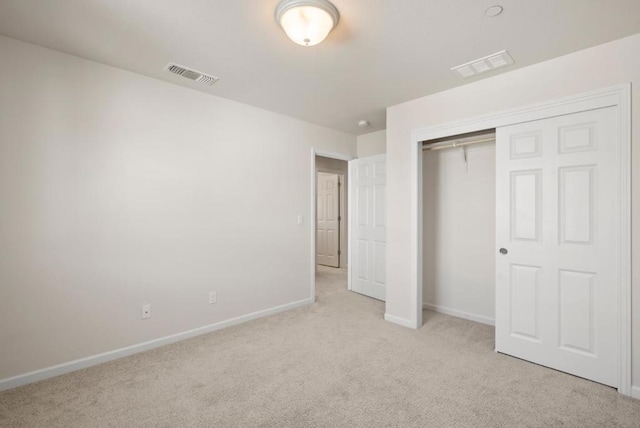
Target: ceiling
(383,52)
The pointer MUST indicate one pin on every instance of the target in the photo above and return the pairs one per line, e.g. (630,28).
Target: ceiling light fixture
(307,22)
(363,123)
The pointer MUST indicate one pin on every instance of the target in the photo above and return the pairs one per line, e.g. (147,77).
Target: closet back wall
(459,232)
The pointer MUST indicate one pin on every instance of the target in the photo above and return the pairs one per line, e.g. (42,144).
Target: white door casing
(556,213)
(368,242)
(327,219)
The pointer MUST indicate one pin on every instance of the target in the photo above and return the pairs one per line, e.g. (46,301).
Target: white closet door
(557,271)
(328,226)
(368,219)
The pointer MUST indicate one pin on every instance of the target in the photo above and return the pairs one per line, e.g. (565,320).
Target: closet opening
(459,226)
(562,221)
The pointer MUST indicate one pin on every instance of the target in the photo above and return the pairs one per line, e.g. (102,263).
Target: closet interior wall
(459,230)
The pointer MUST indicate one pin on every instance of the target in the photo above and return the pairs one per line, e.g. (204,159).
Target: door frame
(617,96)
(312,222)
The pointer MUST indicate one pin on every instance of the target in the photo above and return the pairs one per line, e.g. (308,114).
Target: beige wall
(371,144)
(119,190)
(603,66)
(329,164)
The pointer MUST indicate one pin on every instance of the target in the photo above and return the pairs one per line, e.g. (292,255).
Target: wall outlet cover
(146,312)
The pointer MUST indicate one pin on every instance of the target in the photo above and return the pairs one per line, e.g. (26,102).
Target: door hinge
(339,218)
(339,252)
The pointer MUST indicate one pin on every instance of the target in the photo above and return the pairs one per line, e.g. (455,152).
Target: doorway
(330,213)
(329,222)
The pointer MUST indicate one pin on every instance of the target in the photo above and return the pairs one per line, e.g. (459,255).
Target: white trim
(349,211)
(624,295)
(312,218)
(459,314)
(416,233)
(635,392)
(397,320)
(71,366)
(617,96)
(330,171)
(587,101)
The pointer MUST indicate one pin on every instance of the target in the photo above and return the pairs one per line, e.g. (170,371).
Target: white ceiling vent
(482,65)
(191,74)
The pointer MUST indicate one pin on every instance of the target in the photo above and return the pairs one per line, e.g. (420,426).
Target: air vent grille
(191,74)
(482,65)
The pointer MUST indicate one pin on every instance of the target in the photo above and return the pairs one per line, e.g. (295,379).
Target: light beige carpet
(333,364)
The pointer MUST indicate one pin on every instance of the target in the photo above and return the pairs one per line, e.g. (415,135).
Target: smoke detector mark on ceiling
(493,11)
(191,74)
(482,65)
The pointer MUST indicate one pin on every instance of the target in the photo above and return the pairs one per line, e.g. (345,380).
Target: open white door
(328,225)
(368,221)
(557,271)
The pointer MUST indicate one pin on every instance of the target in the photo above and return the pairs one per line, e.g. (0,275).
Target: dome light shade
(307,22)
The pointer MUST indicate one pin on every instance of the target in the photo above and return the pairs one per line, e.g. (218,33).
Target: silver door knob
(503,251)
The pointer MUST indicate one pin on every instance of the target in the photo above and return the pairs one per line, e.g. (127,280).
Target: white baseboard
(400,321)
(460,314)
(46,373)
(635,392)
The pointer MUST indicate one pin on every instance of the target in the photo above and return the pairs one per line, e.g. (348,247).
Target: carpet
(335,363)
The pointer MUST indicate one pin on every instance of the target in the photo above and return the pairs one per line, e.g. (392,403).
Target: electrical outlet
(213,298)
(146,312)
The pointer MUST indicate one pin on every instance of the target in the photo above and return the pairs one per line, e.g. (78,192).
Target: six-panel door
(368,226)
(556,286)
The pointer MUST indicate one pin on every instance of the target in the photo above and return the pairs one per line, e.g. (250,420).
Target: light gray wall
(459,231)
(332,165)
(119,190)
(599,67)
(371,144)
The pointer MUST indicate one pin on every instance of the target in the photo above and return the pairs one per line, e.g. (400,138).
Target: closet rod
(457,144)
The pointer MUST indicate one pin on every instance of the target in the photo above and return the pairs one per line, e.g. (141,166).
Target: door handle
(503,251)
